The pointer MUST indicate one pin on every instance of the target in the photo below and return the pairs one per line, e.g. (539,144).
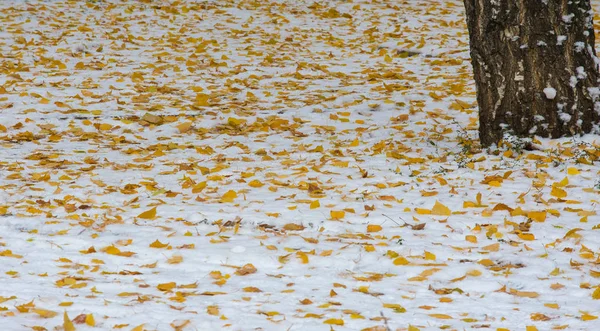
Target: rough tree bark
(535,67)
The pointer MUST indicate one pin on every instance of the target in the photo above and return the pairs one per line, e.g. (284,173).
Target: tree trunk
(535,67)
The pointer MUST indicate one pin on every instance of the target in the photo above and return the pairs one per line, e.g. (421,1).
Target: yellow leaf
(104,127)
(45,313)
(337,214)
(315,204)
(588,317)
(572,171)
(184,127)
(229,196)
(538,216)
(474,273)
(148,214)
(423,211)
(246,270)
(441,316)
(492,248)
(175,259)
(429,256)
(67,324)
(530,328)
(524,294)
(401,261)
(471,238)
(526,236)
(558,192)
(486,262)
(396,307)
(293,227)
(413,328)
(199,187)
(139,327)
(158,244)
(256,183)
(202,100)
(373,228)
(166,286)
(596,294)
(112,250)
(572,233)
(303,257)
(354,143)
(212,310)
(334,321)
(440,209)
(89,320)
(235,121)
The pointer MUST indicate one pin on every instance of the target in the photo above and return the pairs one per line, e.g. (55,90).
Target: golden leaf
(471,238)
(440,209)
(148,214)
(315,204)
(526,236)
(334,321)
(89,320)
(202,100)
(212,310)
(67,324)
(246,270)
(401,261)
(158,244)
(293,227)
(558,192)
(337,214)
(538,216)
(251,289)
(256,183)
(184,127)
(175,259)
(441,316)
(45,313)
(229,196)
(373,228)
(524,294)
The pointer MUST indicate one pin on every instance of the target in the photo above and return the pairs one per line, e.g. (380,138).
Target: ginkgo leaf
(158,244)
(558,192)
(401,261)
(373,228)
(334,321)
(148,214)
(45,313)
(337,214)
(67,324)
(229,196)
(315,204)
(246,270)
(440,209)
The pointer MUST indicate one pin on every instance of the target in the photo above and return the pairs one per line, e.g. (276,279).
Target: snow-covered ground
(275,165)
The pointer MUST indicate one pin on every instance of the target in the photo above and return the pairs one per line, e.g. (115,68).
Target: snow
(550,93)
(264,166)
(560,39)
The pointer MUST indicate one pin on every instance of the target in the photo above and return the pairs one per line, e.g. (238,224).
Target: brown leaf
(246,270)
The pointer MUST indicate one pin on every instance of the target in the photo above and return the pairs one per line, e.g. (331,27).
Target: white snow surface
(550,93)
(275,165)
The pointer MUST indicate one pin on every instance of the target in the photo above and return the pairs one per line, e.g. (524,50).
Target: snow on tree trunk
(535,67)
